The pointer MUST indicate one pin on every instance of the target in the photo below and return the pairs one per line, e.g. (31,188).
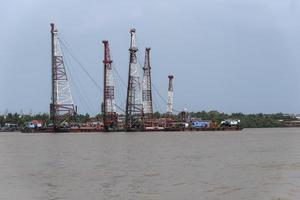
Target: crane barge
(138,111)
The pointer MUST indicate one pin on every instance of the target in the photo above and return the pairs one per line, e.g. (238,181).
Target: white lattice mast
(109,106)
(62,106)
(170,96)
(134,107)
(147,90)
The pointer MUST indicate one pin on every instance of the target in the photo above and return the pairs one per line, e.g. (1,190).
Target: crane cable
(82,67)
(84,100)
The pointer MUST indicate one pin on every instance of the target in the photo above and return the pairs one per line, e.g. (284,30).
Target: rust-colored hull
(97,129)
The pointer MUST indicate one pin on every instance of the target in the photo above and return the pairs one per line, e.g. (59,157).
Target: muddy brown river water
(262,164)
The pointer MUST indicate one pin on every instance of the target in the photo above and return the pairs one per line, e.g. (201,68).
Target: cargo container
(200,124)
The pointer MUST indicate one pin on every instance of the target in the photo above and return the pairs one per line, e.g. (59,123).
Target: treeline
(259,120)
(19,119)
(247,120)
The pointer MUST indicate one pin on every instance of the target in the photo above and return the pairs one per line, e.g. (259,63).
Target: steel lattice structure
(170,96)
(109,106)
(62,107)
(147,89)
(134,107)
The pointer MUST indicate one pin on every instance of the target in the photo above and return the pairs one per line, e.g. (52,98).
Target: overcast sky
(225,55)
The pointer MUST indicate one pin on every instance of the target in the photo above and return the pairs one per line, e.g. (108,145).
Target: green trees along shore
(247,120)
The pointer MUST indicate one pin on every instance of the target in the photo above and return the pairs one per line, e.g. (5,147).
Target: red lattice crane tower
(109,107)
(147,88)
(170,95)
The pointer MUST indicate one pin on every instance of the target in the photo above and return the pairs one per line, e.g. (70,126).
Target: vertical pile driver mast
(109,107)
(170,96)
(62,106)
(147,92)
(134,107)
